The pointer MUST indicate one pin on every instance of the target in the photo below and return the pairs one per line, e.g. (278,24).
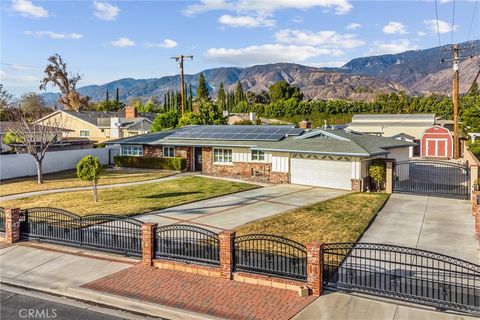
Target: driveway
(231,211)
(435,224)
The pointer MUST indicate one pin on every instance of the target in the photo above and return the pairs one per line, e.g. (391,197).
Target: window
(168,152)
(84,133)
(132,151)
(258,155)
(222,155)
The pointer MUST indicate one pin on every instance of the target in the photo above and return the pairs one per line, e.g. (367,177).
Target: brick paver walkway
(212,296)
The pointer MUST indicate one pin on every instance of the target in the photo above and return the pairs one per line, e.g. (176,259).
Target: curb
(109,300)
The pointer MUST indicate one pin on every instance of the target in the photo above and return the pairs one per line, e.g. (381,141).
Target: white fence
(23,165)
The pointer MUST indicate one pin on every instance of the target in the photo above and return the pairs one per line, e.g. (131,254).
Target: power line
(453,22)
(438,24)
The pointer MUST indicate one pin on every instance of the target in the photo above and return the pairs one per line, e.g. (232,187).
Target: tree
(6,99)
(37,136)
(282,90)
(207,114)
(202,89)
(32,103)
(239,94)
(11,138)
(377,172)
(89,169)
(56,73)
(221,97)
(165,121)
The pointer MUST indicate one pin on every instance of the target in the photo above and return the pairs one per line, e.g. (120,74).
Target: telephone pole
(180,59)
(456,141)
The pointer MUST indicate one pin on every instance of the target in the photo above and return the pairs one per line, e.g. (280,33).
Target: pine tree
(202,89)
(190,98)
(117,96)
(239,94)
(106,96)
(221,97)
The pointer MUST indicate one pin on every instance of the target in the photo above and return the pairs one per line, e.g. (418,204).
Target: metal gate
(403,273)
(116,234)
(434,178)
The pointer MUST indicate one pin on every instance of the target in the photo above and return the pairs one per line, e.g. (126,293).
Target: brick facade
(314,268)
(181,152)
(148,243)
(12,225)
(226,253)
(151,152)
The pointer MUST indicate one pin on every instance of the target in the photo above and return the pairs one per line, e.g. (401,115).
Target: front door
(198,158)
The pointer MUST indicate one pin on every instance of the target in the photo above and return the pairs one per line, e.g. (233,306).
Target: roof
(334,142)
(394,117)
(6,126)
(403,135)
(102,118)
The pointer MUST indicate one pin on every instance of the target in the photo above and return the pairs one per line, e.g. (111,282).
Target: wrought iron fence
(403,273)
(436,178)
(2,219)
(109,233)
(187,243)
(270,255)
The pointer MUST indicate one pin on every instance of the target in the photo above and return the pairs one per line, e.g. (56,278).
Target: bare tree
(56,73)
(36,136)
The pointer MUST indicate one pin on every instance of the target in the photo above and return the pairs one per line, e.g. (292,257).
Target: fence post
(315,267)
(389,177)
(12,225)
(475,202)
(227,239)
(148,243)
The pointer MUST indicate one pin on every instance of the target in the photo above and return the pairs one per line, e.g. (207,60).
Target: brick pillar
(477,224)
(226,253)
(148,243)
(475,202)
(315,268)
(12,225)
(389,177)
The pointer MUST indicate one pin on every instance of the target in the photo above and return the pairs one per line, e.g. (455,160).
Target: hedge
(177,164)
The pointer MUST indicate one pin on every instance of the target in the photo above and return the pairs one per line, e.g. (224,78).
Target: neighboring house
(100,126)
(237,117)
(274,154)
(405,137)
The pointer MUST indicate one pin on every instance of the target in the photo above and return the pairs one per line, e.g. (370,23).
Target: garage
(437,142)
(321,173)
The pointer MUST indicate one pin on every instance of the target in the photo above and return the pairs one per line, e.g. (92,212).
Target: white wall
(399,154)
(22,165)
(280,162)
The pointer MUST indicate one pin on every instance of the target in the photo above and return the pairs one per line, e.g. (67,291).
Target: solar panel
(269,133)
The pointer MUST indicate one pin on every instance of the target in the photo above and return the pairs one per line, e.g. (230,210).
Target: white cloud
(28,78)
(394,28)
(297,19)
(267,53)
(105,11)
(320,38)
(19,67)
(266,7)
(246,21)
(28,9)
(443,26)
(167,43)
(122,42)
(53,35)
(353,26)
(396,46)
(421,33)
(3,75)
(327,64)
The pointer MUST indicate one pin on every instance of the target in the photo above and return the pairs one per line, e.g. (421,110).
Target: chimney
(305,124)
(130,112)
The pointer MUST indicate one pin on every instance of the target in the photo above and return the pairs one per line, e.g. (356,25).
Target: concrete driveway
(435,224)
(231,211)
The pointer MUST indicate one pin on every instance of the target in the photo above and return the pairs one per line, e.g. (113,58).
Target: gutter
(323,152)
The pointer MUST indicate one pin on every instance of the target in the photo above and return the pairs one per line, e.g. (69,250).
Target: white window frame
(84,130)
(168,153)
(133,151)
(257,155)
(222,156)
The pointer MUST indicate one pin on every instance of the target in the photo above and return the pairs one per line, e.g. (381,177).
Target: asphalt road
(32,305)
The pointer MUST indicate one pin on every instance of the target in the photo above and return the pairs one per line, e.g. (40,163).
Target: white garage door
(321,173)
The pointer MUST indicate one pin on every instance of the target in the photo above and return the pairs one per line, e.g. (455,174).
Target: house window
(84,133)
(222,155)
(168,152)
(258,155)
(136,151)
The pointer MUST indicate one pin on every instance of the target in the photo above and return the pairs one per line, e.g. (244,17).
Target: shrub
(177,164)
(377,171)
(89,169)
(475,148)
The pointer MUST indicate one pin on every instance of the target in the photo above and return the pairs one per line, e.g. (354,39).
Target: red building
(437,142)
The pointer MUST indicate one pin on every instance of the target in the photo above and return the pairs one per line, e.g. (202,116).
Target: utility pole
(180,59)
(456,141)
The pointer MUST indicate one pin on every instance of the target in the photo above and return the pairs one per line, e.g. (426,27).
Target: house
(100,126)
(274,154)
(239,117)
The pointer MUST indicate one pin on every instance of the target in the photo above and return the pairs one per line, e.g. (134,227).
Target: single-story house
(275,154)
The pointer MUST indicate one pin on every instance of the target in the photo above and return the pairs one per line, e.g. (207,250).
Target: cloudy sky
(105,41)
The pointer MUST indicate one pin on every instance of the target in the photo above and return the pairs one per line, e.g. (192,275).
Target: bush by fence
(177,164)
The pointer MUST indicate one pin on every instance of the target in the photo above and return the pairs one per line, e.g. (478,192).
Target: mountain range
(414,72)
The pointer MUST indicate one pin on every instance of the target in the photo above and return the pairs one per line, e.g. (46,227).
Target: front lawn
(134,199)
(69,179)
(342,219)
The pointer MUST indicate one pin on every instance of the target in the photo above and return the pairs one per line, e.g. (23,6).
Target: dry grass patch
(69,179)
(342,219)
(134,199)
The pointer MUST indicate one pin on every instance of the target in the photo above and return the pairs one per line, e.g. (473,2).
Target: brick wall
(185,152)
(149,151)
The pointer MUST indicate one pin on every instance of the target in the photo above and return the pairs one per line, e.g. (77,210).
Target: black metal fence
(436,178)
(187,243)
(2,219)
(109,233)
(270,255)
(403,273)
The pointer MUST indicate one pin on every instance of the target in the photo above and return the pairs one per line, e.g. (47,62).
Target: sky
(105,41)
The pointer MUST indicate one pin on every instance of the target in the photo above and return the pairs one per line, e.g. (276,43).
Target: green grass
(342,219)
(69,179)
(134,199)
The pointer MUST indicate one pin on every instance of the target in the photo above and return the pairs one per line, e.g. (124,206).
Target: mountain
(415,72)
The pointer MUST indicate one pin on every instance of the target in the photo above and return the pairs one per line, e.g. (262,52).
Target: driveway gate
(434,178)
(116,234)
(403,273)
